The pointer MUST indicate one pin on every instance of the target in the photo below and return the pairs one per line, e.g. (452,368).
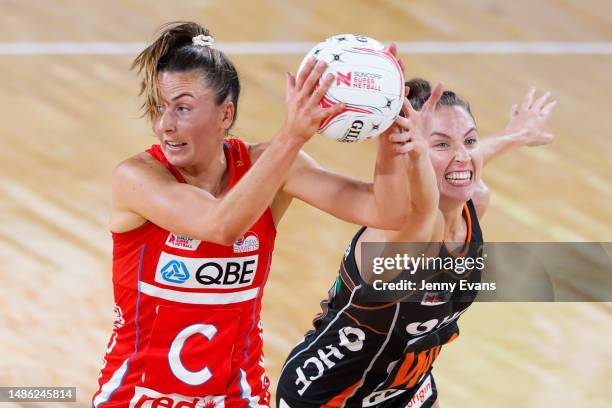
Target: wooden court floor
(67,120)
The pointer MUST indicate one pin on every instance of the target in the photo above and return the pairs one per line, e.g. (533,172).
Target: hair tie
(203,40)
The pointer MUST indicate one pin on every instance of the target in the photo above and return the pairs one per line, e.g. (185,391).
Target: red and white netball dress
(187,332)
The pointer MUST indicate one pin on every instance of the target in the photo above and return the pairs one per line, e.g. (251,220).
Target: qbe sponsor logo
(175,272)
(148,398)
(182,242)
(209,273)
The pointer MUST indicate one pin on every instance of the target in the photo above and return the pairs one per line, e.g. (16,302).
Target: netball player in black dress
(367,353)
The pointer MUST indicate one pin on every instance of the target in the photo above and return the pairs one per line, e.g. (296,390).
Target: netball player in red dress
(367,353)
(194,221)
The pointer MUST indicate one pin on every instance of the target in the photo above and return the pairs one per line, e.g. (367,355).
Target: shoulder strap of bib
(158,154)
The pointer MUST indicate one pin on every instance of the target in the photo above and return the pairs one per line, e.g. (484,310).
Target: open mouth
(175,145)
(459,178)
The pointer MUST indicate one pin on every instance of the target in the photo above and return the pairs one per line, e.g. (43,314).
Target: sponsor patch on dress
(436,298)
(424,392)
(206,273)
(182,242)
(148,398)
(248,243)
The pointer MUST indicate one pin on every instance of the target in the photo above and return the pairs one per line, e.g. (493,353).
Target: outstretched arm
(425,218)
(381,204)
(423,186)
(525,128)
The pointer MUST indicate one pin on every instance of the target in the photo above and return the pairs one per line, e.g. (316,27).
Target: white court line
(289,48)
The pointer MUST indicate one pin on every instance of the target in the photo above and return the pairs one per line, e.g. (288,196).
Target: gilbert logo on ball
(369,81)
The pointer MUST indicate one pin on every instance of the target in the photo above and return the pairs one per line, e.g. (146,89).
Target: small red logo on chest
(182,242)
(248,243)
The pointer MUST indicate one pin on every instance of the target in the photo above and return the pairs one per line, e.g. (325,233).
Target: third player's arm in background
(525,127)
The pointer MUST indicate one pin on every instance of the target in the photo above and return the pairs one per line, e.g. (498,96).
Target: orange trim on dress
(338,400)
(386,305)
(347,314)
(352,285)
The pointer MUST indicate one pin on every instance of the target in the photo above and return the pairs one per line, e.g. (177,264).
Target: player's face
(189,124)
(455,154)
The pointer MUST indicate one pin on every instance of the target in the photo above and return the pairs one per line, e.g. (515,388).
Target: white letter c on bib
(174,355)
